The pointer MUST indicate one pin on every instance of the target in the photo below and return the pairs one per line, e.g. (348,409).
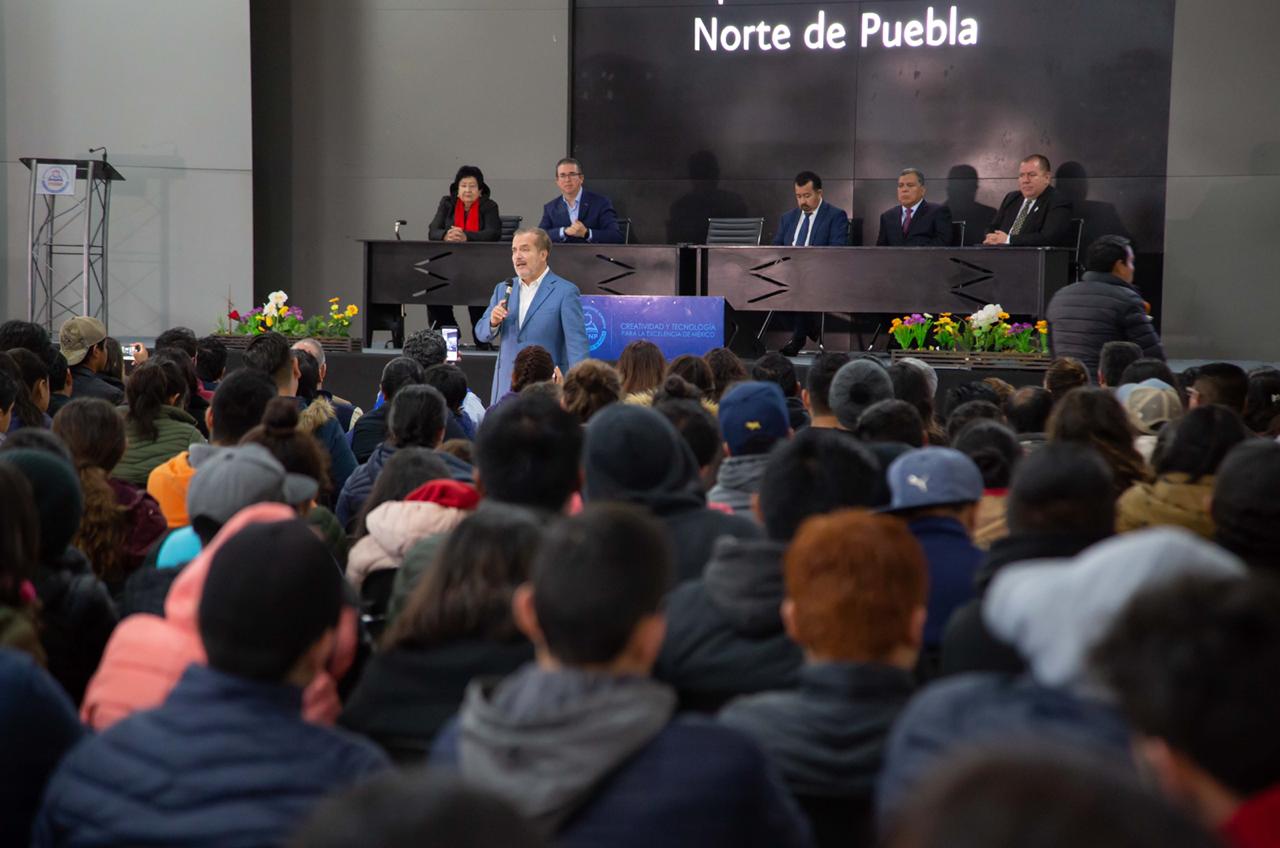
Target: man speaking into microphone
(534,308)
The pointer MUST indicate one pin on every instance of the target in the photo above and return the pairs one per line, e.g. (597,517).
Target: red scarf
(468,221)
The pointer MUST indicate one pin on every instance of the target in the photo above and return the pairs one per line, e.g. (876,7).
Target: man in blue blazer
(813,223)
(533,308)
(914,222)
(578,215)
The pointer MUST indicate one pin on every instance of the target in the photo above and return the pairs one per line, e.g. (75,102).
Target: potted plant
(333,330)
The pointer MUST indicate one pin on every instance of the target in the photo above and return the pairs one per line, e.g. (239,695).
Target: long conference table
(862,280)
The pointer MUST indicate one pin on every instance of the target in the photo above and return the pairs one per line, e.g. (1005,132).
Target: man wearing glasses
(578,215)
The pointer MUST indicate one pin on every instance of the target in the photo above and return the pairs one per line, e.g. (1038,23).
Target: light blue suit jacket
(554,321)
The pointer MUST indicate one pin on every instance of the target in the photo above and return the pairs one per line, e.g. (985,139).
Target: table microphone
(400,224)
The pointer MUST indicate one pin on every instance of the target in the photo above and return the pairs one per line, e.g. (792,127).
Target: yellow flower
(1004,316)
(270,321)
(334,299)
(284,312)
(352,310)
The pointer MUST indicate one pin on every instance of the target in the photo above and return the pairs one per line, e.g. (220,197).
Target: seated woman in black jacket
(457,625)
(465,214)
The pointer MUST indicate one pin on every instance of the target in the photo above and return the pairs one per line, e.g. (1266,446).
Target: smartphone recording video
(450,343)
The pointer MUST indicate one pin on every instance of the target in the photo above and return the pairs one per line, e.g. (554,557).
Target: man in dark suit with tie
(578,215)
(813,223)
(1035,215)
(914,222)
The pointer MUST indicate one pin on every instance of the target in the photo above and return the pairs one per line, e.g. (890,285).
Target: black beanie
(1246,502)
(272,591)
(57,497)
(635,455)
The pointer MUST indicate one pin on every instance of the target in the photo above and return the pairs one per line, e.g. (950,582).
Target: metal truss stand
(73,287)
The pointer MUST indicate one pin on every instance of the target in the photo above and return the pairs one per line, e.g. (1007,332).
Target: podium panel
(397,273)
(884,279)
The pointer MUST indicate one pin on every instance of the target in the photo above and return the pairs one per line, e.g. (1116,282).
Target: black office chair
(1077,233)
(957,233)
(735,230)
(624,224)
(375,597)
(510,223)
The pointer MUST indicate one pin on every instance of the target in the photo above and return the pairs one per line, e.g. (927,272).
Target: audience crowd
(695,602)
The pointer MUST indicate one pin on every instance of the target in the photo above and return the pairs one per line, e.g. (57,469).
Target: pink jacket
(147,654)
(394,528)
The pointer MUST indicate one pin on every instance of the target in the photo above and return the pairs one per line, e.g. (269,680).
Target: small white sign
(55,179)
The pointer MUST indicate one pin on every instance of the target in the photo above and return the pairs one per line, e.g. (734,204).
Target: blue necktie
(802,235)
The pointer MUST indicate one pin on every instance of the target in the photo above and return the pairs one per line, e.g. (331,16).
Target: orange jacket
(168,483)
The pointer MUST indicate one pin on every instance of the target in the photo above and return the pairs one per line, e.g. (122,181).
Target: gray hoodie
(545,739)
(738,479)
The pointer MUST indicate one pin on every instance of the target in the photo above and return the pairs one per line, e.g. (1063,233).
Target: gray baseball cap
(229,479)
(932,477)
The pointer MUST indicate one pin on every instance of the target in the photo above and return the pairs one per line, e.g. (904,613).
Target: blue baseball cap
(753,417)
(932,477)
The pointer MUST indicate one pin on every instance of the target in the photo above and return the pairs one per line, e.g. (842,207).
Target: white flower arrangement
(990,314)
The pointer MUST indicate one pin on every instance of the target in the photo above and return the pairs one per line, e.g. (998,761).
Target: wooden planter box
(331,344)
(975,359)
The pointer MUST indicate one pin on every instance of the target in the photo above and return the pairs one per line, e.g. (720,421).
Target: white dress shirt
(528,291)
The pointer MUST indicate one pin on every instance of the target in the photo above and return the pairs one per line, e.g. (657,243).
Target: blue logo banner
(675,324)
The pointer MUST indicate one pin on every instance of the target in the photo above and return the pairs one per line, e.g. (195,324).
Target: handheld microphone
(503,303)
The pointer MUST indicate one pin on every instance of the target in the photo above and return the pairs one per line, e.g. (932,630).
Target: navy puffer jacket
(224,761)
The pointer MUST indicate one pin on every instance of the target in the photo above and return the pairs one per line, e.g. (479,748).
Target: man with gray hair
(348,412)
(535,307)
(914,222)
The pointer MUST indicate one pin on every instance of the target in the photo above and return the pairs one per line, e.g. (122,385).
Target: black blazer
(1048,224)
(930,227)
(490,223)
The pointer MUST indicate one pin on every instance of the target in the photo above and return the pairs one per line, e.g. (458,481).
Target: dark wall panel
(675,136)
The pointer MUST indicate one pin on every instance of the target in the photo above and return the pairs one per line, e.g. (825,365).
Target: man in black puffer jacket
(1104,306)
